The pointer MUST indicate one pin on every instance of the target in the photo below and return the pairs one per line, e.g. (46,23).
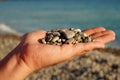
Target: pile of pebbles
(66,36)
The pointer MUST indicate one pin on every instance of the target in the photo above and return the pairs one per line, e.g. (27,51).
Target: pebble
(56,33)
(43,41)
(78,38)
(55,39)
(48,38)
(77,30)
(54,77)
(63,40)
(83,34)
(69,41)
(69,34)
(115,67)
(71,29)
(59,40)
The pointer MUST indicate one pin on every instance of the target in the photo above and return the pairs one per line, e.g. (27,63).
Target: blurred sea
(28,15)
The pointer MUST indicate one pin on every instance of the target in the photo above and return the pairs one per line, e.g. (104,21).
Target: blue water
(26,15)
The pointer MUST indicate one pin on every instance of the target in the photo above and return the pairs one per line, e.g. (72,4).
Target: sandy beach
(99,64)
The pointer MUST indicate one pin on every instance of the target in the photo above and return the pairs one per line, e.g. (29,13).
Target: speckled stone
(69,34)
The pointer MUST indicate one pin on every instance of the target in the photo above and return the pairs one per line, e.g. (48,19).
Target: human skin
(31,55)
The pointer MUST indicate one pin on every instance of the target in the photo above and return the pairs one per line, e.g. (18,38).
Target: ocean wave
(7,29)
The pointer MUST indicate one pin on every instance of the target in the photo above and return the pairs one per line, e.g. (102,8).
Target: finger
(81,47)
(105,37)
(94,30)
(98,34)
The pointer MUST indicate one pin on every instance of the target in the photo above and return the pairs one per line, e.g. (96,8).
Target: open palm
(37,55)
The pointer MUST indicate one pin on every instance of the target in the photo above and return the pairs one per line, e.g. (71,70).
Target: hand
(37,55)
(31,55)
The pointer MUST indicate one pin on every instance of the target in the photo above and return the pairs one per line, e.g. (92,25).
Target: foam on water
(6,29)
